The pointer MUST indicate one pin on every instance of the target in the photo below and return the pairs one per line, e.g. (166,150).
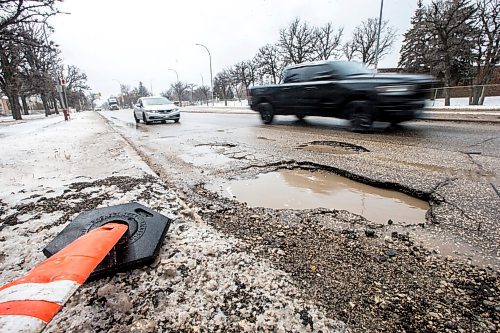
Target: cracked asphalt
(454,166)
(441,275)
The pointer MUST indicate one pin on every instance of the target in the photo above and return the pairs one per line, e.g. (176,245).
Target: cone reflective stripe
(29,303)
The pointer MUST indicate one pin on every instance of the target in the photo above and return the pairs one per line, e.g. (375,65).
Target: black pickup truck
(342,89)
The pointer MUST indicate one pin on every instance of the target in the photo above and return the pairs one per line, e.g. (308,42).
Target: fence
(462,95)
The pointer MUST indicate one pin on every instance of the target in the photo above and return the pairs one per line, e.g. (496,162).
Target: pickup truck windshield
(156,101)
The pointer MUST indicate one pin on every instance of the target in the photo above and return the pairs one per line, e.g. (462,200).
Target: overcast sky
(128,41)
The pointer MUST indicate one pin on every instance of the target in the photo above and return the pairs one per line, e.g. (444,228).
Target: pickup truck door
(314,90)
(290,92)
(286,101)
(330,96)
(310,98)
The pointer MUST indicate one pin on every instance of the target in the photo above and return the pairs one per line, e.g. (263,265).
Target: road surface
(452,165)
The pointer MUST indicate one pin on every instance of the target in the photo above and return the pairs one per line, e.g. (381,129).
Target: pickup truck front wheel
(360,116)
(266,112)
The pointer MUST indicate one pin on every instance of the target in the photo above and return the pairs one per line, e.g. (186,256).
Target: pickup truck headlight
(395,90)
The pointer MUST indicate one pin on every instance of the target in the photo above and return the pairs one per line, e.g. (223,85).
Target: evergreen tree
(415,49)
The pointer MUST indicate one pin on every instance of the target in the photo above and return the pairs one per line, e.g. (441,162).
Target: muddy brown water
(303,189)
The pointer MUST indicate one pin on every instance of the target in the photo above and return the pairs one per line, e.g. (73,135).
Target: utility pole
(378,34)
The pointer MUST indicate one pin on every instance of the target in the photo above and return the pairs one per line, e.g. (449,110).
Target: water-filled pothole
(302,189)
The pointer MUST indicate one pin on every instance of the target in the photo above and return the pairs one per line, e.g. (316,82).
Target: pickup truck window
(323,73)
(348,68)
(293,75)
(309,73)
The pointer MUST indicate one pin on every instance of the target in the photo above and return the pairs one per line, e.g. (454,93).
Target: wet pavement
(228,265)
(386,275)
(452,166)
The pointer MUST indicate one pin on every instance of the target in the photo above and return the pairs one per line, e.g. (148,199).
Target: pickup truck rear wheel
(360,116)
(266,112)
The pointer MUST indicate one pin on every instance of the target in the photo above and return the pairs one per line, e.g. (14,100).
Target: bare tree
(10,59)
(364,38)
(269,62)
(40,58)
(327,41)
(348,50)
(223,85)
(128,98)
(141,90)
(487,45)
(201,94)
(240,73)
(13,13)
(297,42)
(179,88)
(76,84)
(170,94)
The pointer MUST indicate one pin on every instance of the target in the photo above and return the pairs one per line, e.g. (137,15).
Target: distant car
(149,109)
(342,89)
(114,107)
(98,108)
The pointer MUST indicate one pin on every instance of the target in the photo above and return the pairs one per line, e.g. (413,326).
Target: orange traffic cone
(29,303)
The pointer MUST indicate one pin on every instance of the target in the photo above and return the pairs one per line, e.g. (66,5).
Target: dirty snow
(201,281)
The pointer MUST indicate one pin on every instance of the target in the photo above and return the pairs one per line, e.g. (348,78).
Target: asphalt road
(452,165)
(240,194)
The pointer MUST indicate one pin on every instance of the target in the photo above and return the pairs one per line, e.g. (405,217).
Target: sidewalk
(56,169)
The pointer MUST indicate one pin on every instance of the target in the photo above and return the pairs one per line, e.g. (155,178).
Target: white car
(149,109)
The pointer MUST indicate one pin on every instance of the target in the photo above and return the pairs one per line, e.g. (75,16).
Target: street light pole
(202,86)
(211,79)
(177,75)
(378,34)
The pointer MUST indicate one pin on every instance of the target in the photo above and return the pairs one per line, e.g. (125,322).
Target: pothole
(205,155)
(333,147)
(303,189)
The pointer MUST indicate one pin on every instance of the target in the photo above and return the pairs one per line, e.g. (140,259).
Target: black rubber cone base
(139,246)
